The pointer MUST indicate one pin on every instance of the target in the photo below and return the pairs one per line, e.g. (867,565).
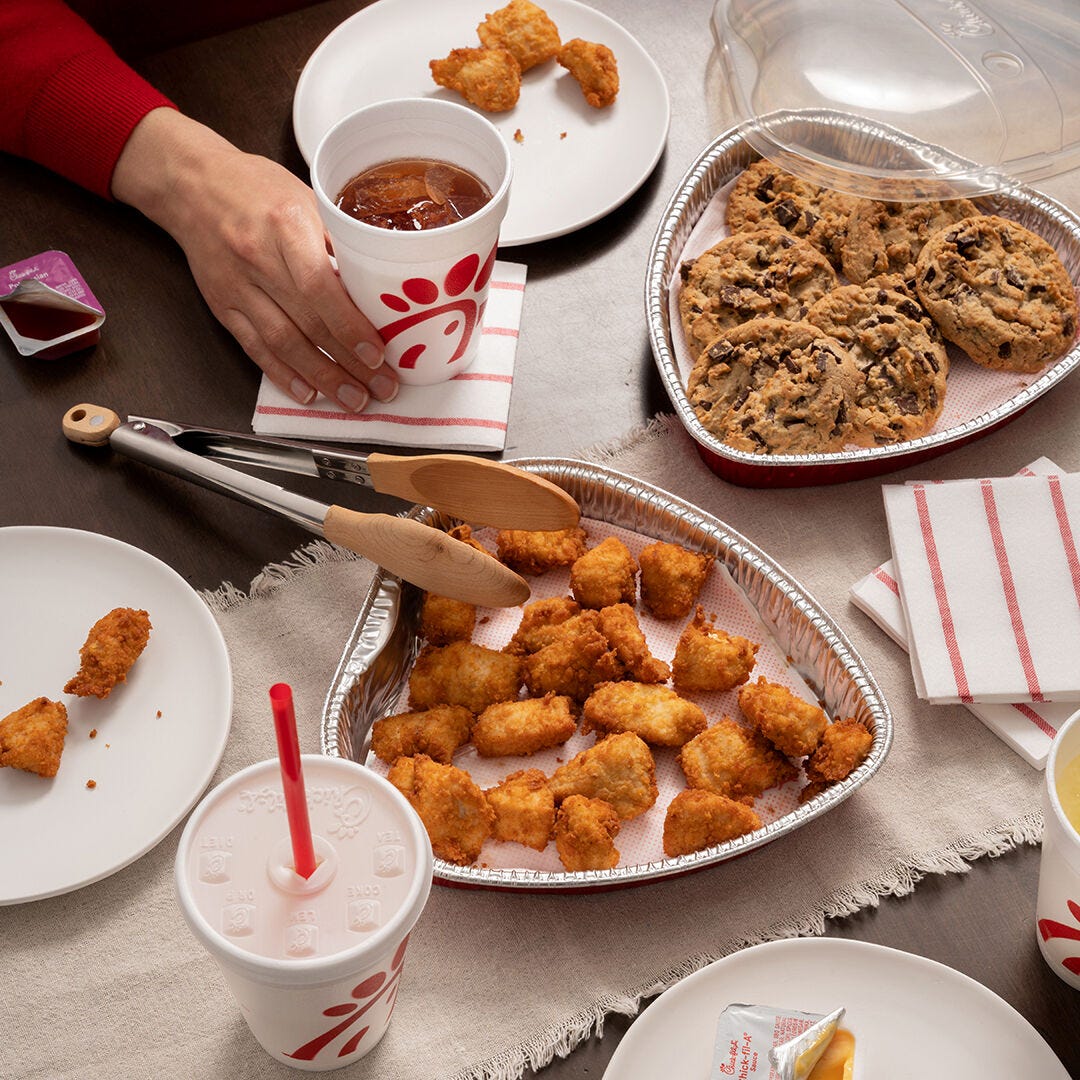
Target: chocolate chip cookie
(765,273)
(886,237)
(895,344)
(999,291)
(765,197)
(783,388)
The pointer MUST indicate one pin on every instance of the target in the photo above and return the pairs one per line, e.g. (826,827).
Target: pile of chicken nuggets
(513,40)
(580,665)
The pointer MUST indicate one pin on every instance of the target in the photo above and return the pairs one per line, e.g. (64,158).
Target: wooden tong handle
(90,424)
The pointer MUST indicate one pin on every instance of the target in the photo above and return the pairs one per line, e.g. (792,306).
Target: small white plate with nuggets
(668,698)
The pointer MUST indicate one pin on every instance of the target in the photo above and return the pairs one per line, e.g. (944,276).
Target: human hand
(258,252)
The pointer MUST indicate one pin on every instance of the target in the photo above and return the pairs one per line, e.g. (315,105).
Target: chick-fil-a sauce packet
(47,308)
(758,1042)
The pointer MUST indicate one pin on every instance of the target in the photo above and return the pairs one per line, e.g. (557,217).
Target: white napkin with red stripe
(989,579)
(469,412)
(1029,728)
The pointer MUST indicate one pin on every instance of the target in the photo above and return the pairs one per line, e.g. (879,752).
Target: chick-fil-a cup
(424,289)
(314,964)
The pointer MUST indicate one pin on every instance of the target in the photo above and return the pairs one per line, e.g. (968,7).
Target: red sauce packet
(47,308)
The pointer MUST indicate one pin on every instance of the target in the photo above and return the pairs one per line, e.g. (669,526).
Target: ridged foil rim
(729,154)
(383,643)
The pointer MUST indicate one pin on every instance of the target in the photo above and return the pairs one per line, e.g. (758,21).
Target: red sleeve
(69,102)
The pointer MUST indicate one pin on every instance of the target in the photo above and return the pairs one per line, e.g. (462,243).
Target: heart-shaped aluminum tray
(379,653)
(853,139)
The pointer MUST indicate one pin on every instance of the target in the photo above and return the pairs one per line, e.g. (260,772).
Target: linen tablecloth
(107,982)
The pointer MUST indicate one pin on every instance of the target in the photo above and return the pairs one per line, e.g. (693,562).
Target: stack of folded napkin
(984,591)
(469,412)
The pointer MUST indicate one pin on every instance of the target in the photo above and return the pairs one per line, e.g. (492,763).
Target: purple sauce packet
(47,308)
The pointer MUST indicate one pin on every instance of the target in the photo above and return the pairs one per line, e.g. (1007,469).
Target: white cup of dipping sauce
(1057,911)
(314,964)
(424,290)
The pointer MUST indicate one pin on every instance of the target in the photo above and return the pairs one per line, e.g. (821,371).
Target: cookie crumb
(91,784)
(562,134)
(158,714)
(93,733)
(518,137)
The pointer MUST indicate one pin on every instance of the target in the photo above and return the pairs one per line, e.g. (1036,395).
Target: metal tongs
(470,488)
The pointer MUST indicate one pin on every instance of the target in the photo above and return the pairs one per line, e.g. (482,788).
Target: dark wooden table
(162,354)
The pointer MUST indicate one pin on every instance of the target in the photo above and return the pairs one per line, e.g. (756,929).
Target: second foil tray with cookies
(745,592)
(978,399)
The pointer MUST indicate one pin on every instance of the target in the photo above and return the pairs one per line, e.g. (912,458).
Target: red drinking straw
(292,779)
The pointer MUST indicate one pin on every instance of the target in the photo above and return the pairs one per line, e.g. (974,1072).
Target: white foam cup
(315,964)
(1057,910)
(424,291)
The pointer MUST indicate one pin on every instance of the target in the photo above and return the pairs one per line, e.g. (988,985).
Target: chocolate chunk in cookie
(766,197)
(746,276)
(895,344)
(886,237)
(999,291)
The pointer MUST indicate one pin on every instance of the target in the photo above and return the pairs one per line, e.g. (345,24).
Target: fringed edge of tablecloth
(558,1041)
(273,577)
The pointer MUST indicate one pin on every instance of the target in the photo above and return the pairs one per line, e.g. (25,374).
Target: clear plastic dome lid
(906,99)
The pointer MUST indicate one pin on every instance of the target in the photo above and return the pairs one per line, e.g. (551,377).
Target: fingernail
(352,397)
(369,354)
(383,387)
(302,392)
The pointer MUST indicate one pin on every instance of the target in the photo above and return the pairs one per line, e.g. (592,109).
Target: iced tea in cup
(424,284)
(1057,911)
(313,964)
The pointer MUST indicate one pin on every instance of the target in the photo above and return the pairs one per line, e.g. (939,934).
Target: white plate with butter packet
(572,163)
(911,1017)
(134,762)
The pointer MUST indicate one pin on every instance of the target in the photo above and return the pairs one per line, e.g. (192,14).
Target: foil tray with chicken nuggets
(650,720)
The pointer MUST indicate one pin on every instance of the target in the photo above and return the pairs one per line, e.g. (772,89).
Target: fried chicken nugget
(520,728)
(32,737)
(454,810)
(605,575)
(594,67)
(656,713)
(573,665)
(536,619)
(699,819)
(490,79)
(844,746)
(443,619)
(437,732)
(465,674)
(536,551)
(792,725)
(464,534)
(729,760)
(671,578)
(114,643)
(523,28)
(619,769)
(708,658)
(619,624)
(524,808)
(584,831)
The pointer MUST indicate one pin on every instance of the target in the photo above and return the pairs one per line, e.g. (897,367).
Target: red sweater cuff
(80,119)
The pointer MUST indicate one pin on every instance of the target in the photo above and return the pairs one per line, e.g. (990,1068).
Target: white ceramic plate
(913,1019)
(561,183)
(57,834)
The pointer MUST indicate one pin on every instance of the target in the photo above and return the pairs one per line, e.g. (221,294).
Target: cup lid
(972,95)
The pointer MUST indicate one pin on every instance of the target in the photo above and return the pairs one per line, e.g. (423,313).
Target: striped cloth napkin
(467,413)
(989,579)
(1029,728)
